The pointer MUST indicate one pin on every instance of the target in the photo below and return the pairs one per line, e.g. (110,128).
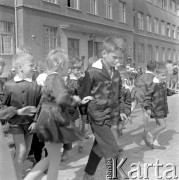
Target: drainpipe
(16,35)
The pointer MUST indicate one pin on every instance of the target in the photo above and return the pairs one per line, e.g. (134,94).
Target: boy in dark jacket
(103,83)
(156,104)
(142,86)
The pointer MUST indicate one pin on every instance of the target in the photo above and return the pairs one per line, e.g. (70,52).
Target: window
(122,12)
(75,4)
(50,39)
(94,7)
(52,1)
(156,53)
(140,17)
(163,28)
(156,26)
(169,5)
(141,53)
(177,10)
(168,29)
(108,5)
(178,33)
(163,54)
(6,38)
(97,49)
(174,56)
(157,3)
(164,4)
(169,54)
(173,6)
(150,52)
(173,31)
(73,48)
(149,24)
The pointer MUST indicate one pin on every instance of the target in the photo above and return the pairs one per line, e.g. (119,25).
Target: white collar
(18,79)
(98,64)
(150,72)
(156,80)
(73,77)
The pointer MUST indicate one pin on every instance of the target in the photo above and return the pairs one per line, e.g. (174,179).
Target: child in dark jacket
(156,104)
(21,98)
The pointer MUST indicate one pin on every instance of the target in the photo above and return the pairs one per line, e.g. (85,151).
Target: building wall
(151,38)
(81,24)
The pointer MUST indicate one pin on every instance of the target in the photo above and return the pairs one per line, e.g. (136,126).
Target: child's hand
(32,128)
(176,92)
(28,110)
(124,117)
(77,99)
(87,99)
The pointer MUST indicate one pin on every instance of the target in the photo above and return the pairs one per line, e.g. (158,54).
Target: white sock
(156,143)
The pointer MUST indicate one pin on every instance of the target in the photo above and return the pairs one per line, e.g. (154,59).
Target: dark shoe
(159,147)
(87,137)
(80,149)
(64,156)
(88,177)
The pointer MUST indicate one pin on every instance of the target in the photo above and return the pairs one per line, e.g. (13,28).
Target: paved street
(135,149)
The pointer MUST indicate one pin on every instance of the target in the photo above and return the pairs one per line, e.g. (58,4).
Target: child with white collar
(156,104)
(21,98)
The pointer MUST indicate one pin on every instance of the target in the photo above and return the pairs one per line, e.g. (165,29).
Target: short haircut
(151,65)
(56,57)
(2,62)
(20,58)
(161,67)
(111,44)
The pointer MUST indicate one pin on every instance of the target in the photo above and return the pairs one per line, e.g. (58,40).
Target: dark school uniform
(142,85)
(54,104)
(156,99)
(106,91)
(19,93)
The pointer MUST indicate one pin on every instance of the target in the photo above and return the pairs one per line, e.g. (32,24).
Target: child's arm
(171,92)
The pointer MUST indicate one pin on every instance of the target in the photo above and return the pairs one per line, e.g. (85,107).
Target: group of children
(51,105)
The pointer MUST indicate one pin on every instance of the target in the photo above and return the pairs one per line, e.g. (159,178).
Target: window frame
(123,11)
(94,7)
(108,12)
(140,21)
(50,38)
(7,43)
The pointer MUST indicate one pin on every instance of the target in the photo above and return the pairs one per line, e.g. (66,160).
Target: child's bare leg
(134,104)
(114,129)
(38,169)
(161,127)
(146,118)
(28,141)
(20,153)
(54,160)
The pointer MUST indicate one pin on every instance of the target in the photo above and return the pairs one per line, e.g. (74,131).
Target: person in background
(126,98)
(155,103)
(169,67)
(142,85)
(2,66)
(175,76)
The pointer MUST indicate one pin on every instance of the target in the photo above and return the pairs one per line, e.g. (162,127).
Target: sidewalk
(135,150)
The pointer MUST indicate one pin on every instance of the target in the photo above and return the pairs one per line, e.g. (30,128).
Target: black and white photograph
(89,89)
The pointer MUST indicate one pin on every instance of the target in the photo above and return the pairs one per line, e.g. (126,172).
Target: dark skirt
(50,129)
